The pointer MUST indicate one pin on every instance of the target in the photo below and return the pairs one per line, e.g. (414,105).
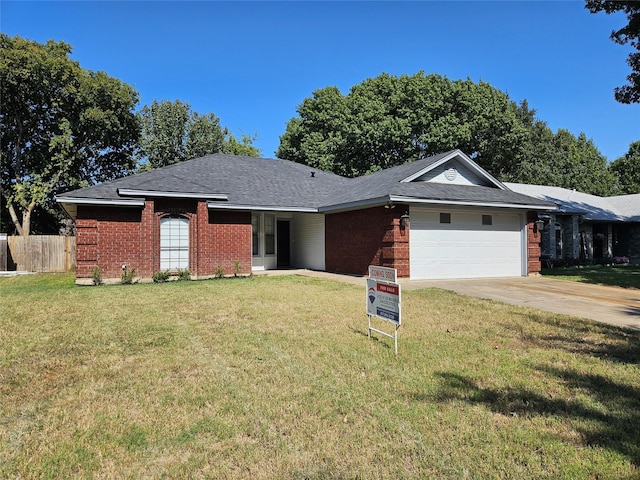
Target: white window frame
(174,243)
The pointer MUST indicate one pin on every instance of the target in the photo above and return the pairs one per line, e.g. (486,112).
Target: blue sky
(252,63)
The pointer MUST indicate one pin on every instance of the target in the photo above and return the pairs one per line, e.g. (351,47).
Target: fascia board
(481,172)
(262,208)
(469,203)
(101,201)
(154,193)
(421,172)
(370,202)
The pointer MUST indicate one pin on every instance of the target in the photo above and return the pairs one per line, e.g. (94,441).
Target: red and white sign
(383,300)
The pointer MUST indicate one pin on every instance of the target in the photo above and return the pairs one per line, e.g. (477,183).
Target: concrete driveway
(613,305)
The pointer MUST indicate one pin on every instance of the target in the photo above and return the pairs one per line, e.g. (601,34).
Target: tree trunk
(26,219)
(23,229)
(14,218)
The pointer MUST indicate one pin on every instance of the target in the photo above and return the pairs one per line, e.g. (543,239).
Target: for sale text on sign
(383,300)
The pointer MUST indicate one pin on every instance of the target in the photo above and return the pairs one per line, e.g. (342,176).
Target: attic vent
(313,174)
(451,174)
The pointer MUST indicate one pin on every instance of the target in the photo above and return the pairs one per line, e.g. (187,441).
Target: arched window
(174,243)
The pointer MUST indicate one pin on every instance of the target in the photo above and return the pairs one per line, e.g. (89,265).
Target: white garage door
(473,244)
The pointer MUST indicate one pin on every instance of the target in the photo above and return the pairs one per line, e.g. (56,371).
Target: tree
(61,126)
(580,165)
(627,170)
(560,159)
(630,33)
(390,120)
(172,132)
(243,147)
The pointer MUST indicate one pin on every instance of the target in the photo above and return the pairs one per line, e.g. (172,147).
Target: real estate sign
(383,300)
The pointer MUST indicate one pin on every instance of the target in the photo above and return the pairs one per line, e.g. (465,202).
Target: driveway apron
(613,305)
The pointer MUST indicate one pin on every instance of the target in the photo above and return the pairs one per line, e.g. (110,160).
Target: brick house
(587,228)
(439,217)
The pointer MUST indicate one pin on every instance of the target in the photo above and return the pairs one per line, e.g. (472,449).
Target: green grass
(619,276)
(275,378)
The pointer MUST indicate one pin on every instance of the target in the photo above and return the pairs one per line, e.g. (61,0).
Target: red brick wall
(226,239)
(533,245)
(108,237)
(373,236)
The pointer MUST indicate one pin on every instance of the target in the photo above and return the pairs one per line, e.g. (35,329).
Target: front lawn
(618,276)
(275,377)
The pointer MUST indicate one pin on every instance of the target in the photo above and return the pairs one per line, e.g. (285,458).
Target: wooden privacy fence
(43,253)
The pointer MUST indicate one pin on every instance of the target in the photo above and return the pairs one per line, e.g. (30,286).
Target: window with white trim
(255,234)
(269,234)
(174,243)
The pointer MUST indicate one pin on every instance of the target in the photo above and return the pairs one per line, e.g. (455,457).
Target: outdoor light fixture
(405,221)
(538,225)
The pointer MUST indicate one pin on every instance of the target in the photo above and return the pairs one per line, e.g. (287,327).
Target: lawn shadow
(613,428)
(600,340)
(619,276)
(635,311)
(364,333)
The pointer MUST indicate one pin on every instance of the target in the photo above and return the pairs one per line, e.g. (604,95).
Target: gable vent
(451,174)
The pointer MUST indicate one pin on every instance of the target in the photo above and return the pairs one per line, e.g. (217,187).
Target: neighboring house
(440,217)
(587,228)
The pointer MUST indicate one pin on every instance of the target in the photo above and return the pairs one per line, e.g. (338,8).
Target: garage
(458,243)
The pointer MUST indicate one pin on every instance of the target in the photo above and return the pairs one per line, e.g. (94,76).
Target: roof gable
(455,168)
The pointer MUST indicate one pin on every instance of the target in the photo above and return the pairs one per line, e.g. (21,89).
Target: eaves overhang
(355,205)
(469,203)
(122,202)
(127,192)
(70,204)
(263,208)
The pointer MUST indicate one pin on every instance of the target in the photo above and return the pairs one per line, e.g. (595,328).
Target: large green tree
(390,120)
(630,34)
(172,132)
(627,170)
(61,126)
(559,159)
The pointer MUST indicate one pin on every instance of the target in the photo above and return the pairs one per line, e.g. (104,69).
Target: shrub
(184,274)
(96,276)
(219,273)
(161,277)
(127,276)
(237,268)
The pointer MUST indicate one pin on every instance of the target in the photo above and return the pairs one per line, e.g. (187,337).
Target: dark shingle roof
(281,184)
(245,180)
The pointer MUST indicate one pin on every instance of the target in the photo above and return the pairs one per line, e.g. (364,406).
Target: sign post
(384,300)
